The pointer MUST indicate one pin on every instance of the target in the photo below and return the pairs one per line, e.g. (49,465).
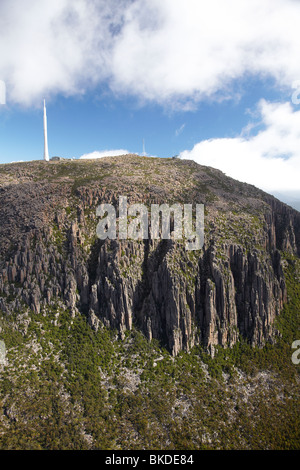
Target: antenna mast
(46,153)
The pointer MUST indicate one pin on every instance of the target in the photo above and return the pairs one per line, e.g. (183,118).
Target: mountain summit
(131,344)
(50,255)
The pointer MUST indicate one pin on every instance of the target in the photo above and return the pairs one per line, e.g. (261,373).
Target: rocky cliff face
(50,255)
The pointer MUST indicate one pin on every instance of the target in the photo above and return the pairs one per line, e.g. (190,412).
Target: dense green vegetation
(66,386)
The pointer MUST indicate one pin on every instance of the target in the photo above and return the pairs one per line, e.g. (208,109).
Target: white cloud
(183,51)
(104,153)
(54,46)
(270,159)
(170,51)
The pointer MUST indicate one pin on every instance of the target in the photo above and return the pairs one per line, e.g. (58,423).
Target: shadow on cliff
(151,263)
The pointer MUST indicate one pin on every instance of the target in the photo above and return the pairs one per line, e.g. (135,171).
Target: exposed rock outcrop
(234,286)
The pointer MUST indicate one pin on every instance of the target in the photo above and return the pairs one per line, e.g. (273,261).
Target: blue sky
(80,125)
(216,83)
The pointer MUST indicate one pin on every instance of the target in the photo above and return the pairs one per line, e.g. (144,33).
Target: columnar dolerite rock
(50,255)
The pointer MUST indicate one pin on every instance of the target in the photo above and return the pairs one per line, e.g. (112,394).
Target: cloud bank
(173,52)
(104,153)
(55,46)
(270,159)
